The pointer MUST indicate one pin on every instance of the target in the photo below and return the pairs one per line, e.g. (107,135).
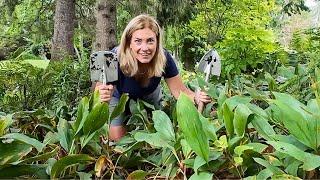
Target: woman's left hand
(201,98)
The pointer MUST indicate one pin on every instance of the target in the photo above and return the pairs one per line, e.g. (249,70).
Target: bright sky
(310,3)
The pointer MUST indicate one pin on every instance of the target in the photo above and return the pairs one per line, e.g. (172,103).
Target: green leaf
(198,162)
(234,101)
(44,156)
(262,126)
(201,176)
(97,117)
(310,161)
(67,161)
(21,137)
(85,139)
(208,127)
(191,126)
(241,115)
(238,161)
(264,174)
(222,143)
(5,122)
(42,64)
(13,152)
(154,139)
(120,107)
(64,134)
(293,167)
(82,113)
(273,169)
(94,99)
(228,119)
(84,176)
(16,171)
(136,175)
(186,149)
(301,124)
(163,125)
(240,149)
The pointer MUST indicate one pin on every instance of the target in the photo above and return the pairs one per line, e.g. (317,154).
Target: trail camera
(210,64)
(104,67)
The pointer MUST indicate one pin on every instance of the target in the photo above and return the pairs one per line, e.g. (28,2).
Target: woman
(143,62)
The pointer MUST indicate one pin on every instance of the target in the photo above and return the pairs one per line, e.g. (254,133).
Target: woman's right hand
(105,91)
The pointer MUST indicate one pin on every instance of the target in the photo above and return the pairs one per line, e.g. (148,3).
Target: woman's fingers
(203,97)
(105,92)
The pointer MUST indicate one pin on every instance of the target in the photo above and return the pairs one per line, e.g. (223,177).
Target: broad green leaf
(51,138)
(94,99)
(257,147)
(64,134)
(274,161)
(191,126)
(85,139)
(234,101)
(44,156)
(120,107)
(21,137)
(13,152)
(137,175)
(154,139)
(67,161)
(285,176)
(201,176)
(208,127)
(198,162)
(82,113)
(50,162)
(16,171)
(310,161)
(301,124)
(258,110)
(241,115)
(262,126)
(273,169)
(238,161)
(264,174)
(293,167)
(222,143)
(186,149)
(96,118)
(228,119)
(163,125)
(84,176)
(240,149)
(271,82)
(5,122)
(313,106)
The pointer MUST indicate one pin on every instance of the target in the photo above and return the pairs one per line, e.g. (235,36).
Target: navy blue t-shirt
(129,85)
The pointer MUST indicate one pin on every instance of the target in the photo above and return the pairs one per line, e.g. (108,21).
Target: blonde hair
(128,64)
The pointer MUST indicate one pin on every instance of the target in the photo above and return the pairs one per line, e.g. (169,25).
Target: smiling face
(143,45)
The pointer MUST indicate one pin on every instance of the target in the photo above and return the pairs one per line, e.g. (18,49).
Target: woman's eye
(138,41)
(150,40)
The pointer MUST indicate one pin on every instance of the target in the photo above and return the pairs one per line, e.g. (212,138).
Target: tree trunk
(106,17)
(62,42)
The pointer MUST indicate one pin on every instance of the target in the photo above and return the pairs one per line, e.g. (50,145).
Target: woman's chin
(144,61)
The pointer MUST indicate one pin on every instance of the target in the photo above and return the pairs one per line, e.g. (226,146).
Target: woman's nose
(144,46)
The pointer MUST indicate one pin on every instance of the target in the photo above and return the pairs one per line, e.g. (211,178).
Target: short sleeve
(171,69)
